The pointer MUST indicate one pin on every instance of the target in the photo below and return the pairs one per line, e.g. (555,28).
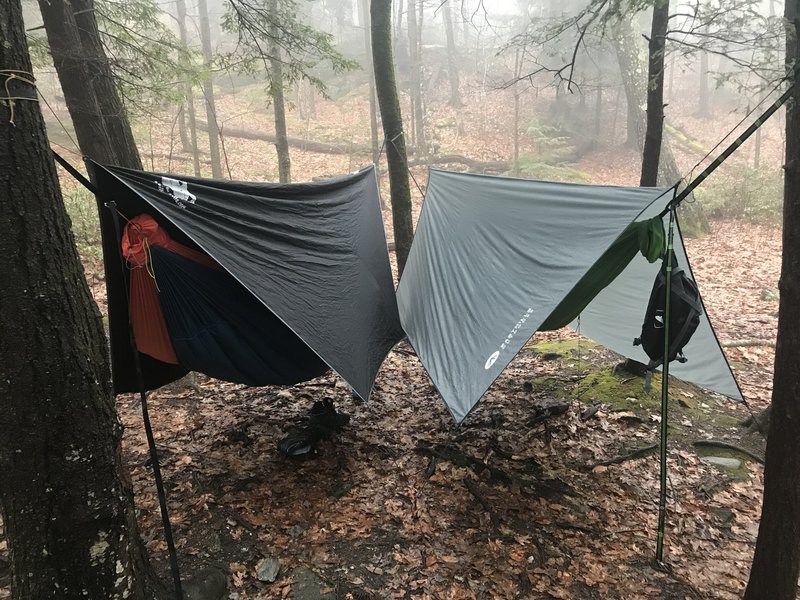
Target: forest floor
(548,490)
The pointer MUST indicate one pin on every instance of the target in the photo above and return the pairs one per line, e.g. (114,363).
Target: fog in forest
(547,90)
(550,487)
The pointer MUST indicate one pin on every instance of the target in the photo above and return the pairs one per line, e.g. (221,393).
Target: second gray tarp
(494,256)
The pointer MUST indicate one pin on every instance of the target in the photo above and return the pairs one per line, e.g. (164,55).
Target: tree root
(727,446)
(636,454)
(747,343)
(549,488)
(455,456)
(475,490)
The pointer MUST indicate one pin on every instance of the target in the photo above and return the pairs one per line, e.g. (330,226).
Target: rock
(214,544)
(724,514)
(307,585)
(341,489)
(721,461)
(268,569)
(632,367)
(210,583)
(770,294)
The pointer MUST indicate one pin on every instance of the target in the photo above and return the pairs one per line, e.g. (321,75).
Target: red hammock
(149,327)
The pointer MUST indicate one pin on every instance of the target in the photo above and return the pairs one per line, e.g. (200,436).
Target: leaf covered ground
(539,494)
(403,504)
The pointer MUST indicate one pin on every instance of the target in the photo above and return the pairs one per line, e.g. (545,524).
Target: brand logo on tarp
(496,354)
(177,189)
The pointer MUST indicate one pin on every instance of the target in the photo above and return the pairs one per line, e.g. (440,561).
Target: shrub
(82,211)
(554,159)
(744,193)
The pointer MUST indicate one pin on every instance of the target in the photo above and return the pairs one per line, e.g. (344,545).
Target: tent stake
(662,495)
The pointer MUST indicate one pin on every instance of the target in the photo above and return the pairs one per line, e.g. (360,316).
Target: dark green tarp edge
(646,237)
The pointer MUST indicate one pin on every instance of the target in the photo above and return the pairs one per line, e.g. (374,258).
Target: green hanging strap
(662,497)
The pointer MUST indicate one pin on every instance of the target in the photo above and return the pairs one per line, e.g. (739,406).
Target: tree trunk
(183,131)
(704,109)
(634,81)
(112,110)
(671,84)
(598,111)
(415,68)
(84,109)
(515,89)
(312,100)
(373,112)
(208,91)
(515,160)
(757,150)
(305,100)
(654,132)
(67,508)
(452,57)
(276,91)
(381,19)
(398,29)
(613,133)
(634,78)
(465,25)
(776,563)
(188,95)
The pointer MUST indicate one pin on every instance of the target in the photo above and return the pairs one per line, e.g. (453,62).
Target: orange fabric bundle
(143,230)
(149,327)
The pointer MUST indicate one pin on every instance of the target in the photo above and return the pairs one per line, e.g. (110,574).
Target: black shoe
(298,444)
(324,417)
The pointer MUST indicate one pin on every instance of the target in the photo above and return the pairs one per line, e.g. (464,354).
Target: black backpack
(685,309)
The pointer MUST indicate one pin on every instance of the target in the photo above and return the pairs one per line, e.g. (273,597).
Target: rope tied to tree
(29,79)
(392,142)
(12,75)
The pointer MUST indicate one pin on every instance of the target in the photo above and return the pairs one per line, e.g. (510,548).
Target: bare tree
(704,107)
(373,112)
(452,57)
(415,83)
(654,132)
(381,19)
(208,91)
(276,91)
(187,107)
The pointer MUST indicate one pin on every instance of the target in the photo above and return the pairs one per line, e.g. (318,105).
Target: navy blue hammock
(219,328)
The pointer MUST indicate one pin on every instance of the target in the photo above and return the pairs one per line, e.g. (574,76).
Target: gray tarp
(313,254)
(493,257)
